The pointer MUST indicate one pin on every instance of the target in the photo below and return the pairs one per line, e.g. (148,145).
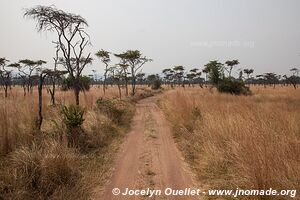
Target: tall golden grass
(247,142)
(41,164)
(18,113)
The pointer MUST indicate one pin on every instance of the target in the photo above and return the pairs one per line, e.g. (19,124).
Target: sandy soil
(149,157)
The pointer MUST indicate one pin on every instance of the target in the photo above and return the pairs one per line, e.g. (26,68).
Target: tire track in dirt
(149,157)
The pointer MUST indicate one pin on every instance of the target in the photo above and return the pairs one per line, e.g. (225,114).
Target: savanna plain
(228,141)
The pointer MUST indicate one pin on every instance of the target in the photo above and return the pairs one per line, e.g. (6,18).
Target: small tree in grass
(179,74)
(118,74)
(193,76)
(105,58)
(224,84)
(215,71)
(5,75)
(154,81)
(248,72)
(26,68)
(293,79)
(73,118)
(231,64)
(168,76)
(123,66)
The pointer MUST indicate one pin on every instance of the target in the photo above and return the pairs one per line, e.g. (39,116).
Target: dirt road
(149,158)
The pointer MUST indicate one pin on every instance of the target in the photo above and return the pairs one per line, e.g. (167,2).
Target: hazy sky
(262,34)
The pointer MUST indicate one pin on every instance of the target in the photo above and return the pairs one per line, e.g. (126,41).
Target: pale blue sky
(264,35)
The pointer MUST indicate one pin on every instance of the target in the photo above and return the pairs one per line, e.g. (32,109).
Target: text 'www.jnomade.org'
(197,192)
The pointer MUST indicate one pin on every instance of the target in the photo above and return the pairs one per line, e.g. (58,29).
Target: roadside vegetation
(70,156)
(60,128)
(58,132)
(249,142)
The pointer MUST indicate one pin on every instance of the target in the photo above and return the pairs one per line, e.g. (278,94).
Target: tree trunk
(52,92)
(40,104)
(77,92)
(104,81)
(119,88)
(24,89)
(104,84)
(52,95)
(126,86)
(133,81)
(5,90)
(133,86)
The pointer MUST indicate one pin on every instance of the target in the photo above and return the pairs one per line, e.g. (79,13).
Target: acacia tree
(231,64)
(168,76)
(5,75)
(193,76)
(135,61)
(271,79)
(105,58)
(20,76)
(205,71)
(123,64)
(295,71)
(178,74)
(72,38)
(26,69)
(215,71)
(141,78)
(248,72)
(118,75)
(294,79)
(154,81)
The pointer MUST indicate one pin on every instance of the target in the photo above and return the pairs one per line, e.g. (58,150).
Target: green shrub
(156,84)
(73,119)
(73,116)
(236,87)
(115,109)
(84,83)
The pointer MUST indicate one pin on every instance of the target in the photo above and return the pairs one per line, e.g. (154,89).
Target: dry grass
(237,141)
(18,113)
(41,165)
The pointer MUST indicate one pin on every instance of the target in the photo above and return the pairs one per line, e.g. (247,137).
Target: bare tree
(72,38)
